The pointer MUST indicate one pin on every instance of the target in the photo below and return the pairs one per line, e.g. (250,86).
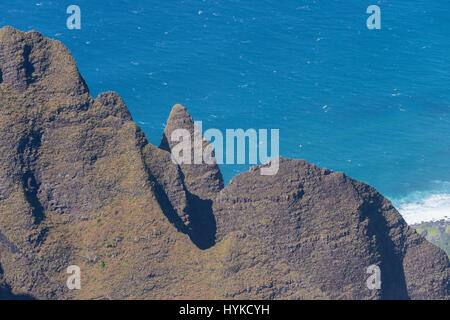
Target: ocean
(372,103)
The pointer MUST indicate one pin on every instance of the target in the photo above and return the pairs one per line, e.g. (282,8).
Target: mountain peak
(179,118)
(28,59)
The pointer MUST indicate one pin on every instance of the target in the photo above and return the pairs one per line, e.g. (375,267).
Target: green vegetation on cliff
(436,232)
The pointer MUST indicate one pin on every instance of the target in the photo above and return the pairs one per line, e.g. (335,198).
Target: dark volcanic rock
(202,180)
(81,185)
(33,61)
(329,228)
(71,169)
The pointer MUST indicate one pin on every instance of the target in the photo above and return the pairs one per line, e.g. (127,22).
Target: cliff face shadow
(31,188)
(202,227)
(27,65)
(168,209)
(203,223)
(6,294)
(27,150)
(393,283)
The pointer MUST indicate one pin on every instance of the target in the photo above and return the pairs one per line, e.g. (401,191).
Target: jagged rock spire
(203,180)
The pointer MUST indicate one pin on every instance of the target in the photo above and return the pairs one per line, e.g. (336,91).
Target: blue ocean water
(372,103)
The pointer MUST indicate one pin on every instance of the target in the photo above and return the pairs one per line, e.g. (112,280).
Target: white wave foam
(419,207)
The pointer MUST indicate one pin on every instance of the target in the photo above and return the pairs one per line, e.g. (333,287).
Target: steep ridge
(75,186)
(329,229)
(81,185)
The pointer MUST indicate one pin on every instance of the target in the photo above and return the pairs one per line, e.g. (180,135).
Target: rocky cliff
(81,185)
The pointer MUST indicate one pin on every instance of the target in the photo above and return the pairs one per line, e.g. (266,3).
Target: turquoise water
(372,103)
